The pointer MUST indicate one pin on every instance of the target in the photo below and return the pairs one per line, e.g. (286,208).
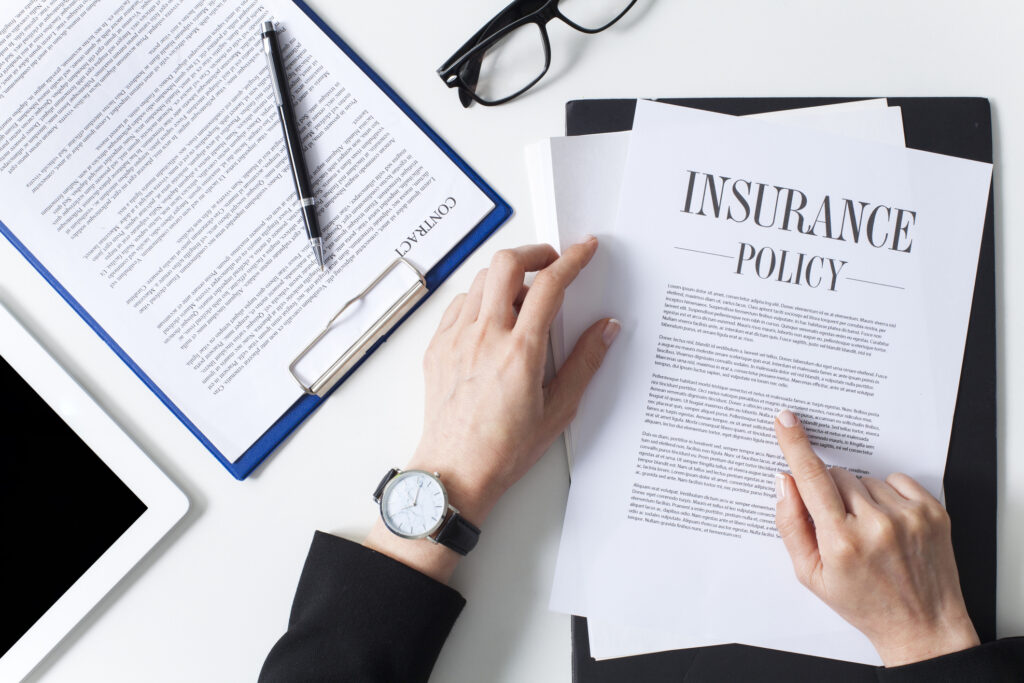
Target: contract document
(756,267)
(142,163)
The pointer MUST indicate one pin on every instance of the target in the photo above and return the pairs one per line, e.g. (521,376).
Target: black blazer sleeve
(996,662)
(360,616)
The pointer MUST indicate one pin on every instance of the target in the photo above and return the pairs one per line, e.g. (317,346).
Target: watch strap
(458,534)
(384,483)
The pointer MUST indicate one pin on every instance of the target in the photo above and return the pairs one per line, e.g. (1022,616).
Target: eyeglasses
(511,52)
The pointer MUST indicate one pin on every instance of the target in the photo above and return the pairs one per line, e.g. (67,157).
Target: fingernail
(611,331)
(586,238)
(787,419)
(780,486)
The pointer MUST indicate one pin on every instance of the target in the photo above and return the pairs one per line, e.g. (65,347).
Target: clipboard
(369,342)
(956,126)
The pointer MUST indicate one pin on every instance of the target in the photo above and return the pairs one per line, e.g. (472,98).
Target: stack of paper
(805,260)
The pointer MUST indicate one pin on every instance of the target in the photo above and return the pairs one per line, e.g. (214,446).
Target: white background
(208,604)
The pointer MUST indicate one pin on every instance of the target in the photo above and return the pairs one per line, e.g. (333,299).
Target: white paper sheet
(585,197)
(715,598)
(575,181)
(142,164)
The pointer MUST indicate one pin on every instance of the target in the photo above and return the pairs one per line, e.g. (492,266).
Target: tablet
(81,504)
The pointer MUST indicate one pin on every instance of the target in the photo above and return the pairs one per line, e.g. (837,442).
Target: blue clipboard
(304,406)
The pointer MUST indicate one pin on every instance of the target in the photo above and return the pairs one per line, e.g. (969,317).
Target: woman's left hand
(489,415)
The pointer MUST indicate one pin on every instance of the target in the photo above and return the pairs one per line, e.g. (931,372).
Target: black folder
(957,126)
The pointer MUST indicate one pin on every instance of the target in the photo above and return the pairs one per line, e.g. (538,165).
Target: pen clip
(269,38)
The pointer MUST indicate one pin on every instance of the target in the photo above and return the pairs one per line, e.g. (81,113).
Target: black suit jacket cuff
(359,615)
(995,662)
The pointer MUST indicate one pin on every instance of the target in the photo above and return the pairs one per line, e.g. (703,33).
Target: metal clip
(379,328)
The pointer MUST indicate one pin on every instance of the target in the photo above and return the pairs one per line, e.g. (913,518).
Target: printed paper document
(575,183)
(784,269)
(141,161)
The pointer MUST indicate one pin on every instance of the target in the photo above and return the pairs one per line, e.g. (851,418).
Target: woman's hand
(489,416)
(878,552)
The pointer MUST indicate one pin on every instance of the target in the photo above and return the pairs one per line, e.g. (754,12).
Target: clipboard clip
(378,329)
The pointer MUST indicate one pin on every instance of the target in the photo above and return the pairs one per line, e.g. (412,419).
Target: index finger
(505,278)
(813,481)
(548,289)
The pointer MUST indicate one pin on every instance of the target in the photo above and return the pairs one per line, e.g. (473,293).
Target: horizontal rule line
(880,284)
(709,253)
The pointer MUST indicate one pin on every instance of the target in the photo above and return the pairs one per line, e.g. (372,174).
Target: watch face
(413,504)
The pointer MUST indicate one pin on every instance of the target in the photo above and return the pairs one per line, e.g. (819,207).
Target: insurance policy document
(575,183)
(142,163)
(756,268)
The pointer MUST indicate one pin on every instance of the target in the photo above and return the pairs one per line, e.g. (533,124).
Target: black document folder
(957,126)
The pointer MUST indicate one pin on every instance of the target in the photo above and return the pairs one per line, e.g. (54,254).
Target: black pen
(292,140)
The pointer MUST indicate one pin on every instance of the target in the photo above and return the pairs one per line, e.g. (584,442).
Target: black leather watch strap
(458,534)
(383,484)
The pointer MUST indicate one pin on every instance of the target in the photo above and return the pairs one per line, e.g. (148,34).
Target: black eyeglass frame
(490,34)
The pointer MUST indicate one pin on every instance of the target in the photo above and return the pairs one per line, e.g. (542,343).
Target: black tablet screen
(60,507)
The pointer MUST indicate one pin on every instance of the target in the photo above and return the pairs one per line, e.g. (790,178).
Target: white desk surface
(211,600)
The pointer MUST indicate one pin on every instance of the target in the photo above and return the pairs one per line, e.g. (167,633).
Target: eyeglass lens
(592,14)
(519,58)
(512,63)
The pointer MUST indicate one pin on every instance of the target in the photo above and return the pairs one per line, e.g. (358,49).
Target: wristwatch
(414,504)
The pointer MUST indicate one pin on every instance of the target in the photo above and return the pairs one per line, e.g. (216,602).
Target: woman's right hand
(489,415)
(879,553)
